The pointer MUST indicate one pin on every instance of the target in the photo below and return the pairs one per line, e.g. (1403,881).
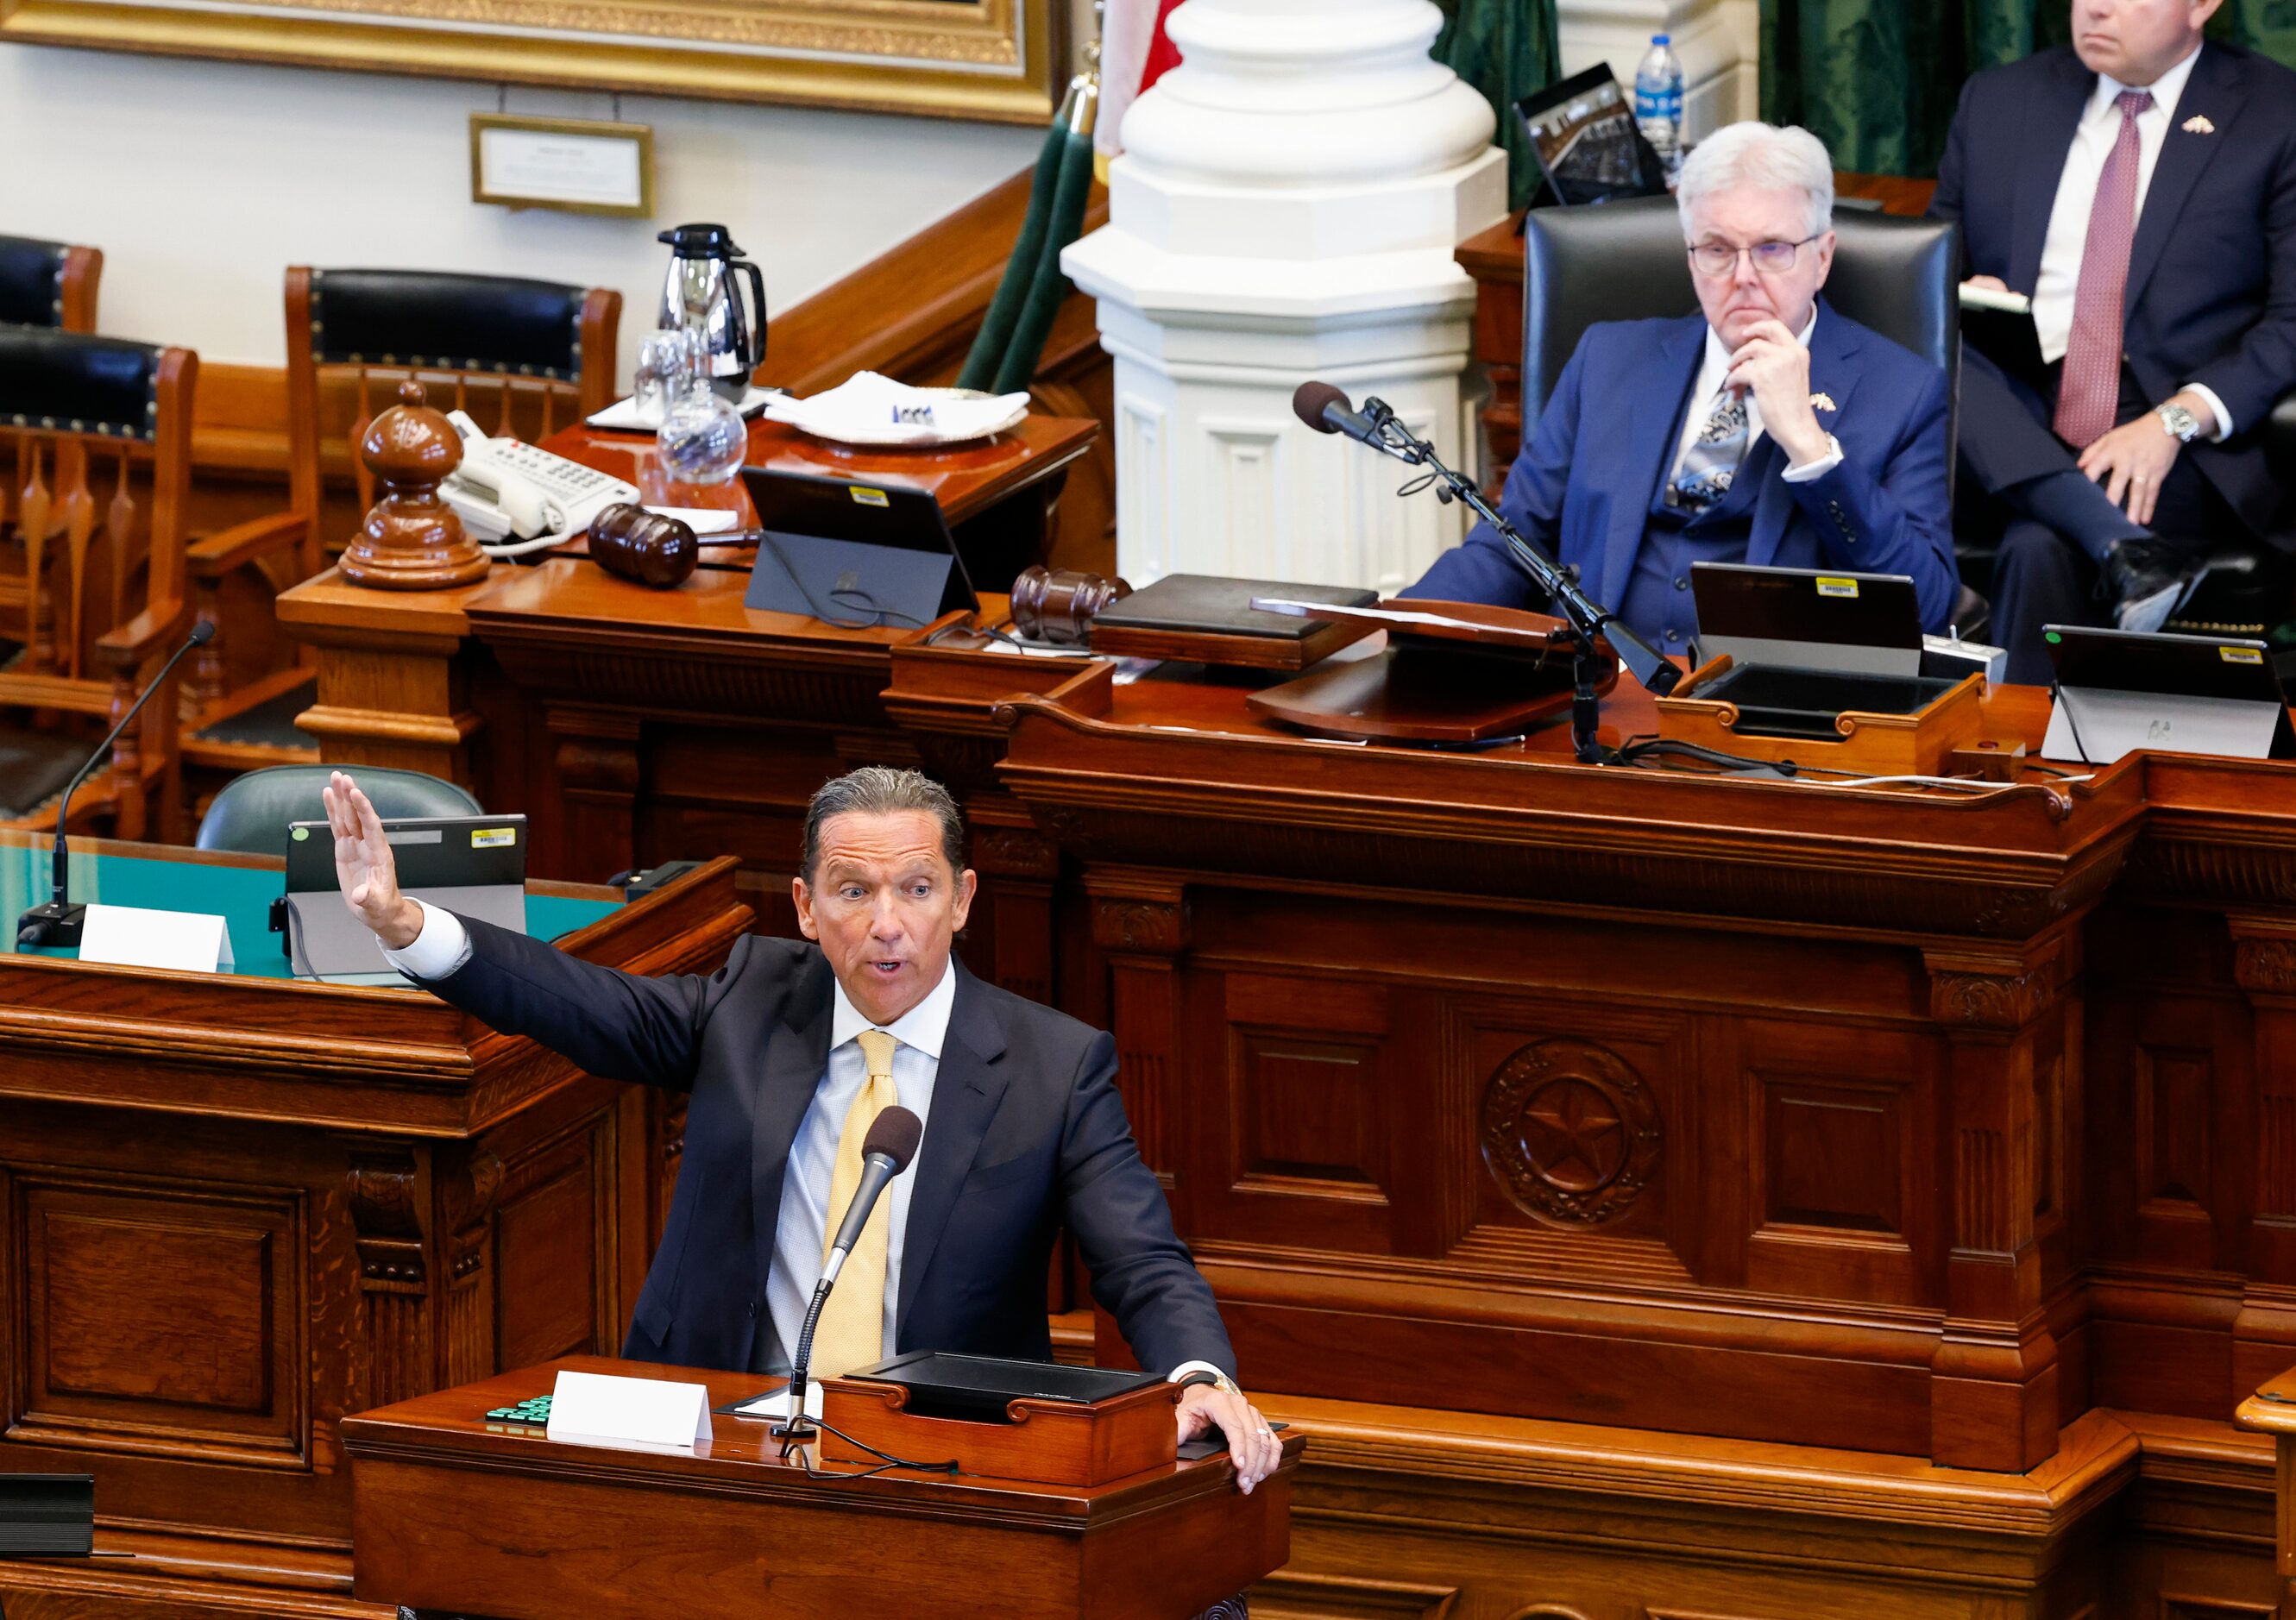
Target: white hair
(1759,157)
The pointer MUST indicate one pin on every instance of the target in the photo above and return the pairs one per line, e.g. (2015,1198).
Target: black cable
(890,1460)
(2057,692)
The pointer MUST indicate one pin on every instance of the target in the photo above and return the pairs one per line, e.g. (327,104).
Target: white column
(1286,207)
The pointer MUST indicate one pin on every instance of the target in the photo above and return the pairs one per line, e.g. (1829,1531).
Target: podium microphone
(59,923)
(892,1144)
(1328,410)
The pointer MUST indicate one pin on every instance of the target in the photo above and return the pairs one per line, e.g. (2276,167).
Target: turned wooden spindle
(411,540)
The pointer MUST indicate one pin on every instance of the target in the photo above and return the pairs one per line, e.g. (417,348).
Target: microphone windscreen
(1309,400)
(895,1133)
(203,633)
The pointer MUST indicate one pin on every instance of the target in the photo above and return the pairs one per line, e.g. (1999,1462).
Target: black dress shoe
(2148,582)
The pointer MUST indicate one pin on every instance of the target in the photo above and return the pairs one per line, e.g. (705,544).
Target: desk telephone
(506,486)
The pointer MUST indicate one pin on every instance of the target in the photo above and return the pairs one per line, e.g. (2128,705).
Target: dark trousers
(2055,524)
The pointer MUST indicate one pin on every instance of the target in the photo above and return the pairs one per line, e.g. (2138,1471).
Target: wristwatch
(2179,423)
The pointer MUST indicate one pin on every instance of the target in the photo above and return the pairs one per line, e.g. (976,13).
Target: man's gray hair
(883,791)
(1759,157)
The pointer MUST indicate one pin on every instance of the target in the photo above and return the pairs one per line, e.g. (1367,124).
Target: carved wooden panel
(2177,1136)
(1843,1156)
(160,1317)
(546,1271)
(1308,1118)
(1294,1594)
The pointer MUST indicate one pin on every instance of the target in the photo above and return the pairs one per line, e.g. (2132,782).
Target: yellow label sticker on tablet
(2240,655)
(493,837)
(865,496)
(1836,587)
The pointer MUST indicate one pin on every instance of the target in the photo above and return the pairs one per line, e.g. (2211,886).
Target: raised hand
(364,866)
(1773,366)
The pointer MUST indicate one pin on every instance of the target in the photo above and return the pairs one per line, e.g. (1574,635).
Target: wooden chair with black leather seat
(48,283)
(524,357)
(1624,261)
(97,437)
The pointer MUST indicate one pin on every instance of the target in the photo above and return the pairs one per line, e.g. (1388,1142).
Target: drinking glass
(667,362)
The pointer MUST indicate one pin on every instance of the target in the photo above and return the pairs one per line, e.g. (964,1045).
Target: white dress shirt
(1706,394)
(801,1229)
(2068,235)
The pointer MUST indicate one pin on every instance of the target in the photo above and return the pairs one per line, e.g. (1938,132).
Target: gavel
(1057,606)
(628,541)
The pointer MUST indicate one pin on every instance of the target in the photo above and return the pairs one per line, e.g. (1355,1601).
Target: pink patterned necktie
(2088,390)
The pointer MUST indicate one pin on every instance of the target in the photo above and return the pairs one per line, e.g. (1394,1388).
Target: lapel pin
(1822,402)
(2198,124)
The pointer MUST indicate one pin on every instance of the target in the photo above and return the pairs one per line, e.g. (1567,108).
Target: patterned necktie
(852,1332)
(2088,390)
(1712,461)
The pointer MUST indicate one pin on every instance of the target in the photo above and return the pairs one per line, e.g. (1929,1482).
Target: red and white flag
(1134,53)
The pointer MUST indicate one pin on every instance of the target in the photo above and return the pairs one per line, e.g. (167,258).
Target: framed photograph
(994,60)
(573,165)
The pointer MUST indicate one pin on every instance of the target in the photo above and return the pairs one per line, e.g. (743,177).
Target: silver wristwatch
(2181,424)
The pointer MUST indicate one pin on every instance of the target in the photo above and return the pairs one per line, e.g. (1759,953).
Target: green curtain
(1505,49)
(1877,80)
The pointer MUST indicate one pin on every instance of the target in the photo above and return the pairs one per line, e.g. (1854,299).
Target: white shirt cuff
(2216,409)
(1186,1368)
(1819,468)
(441,948)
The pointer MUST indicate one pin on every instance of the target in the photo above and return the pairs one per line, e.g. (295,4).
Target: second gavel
(634,544)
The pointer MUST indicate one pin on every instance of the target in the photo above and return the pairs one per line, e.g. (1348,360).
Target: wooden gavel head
(634,544)
(1058,605)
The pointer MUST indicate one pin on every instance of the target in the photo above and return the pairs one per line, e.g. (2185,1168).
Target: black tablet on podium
(853,554)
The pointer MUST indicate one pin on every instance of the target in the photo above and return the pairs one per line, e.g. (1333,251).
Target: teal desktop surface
(242,895)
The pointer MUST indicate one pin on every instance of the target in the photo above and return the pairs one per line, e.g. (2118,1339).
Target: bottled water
(1657,104)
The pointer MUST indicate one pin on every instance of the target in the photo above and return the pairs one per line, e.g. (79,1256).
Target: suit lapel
(1655,406)
(967,1087)
(2051,119)
(795,1060)
(2211,92)
(1834,371)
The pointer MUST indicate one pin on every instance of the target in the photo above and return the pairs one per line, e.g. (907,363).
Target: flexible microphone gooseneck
(59,923)
(886,1152)
(1327,410)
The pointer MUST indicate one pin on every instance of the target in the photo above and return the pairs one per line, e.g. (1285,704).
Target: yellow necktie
(852,1332)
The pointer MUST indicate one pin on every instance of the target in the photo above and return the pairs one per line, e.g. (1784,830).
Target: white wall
(1718,42)
(202,181)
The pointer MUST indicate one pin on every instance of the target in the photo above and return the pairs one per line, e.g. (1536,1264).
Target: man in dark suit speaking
(2140,186)
(791,1050)
(1765,428)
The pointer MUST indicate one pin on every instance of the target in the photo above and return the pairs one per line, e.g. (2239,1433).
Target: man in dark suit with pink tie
(2140,185)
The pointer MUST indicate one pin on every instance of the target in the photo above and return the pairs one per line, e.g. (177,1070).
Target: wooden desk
(633,725)
(1494,258)
(2272,1411)
(457,1515)
(237,1207)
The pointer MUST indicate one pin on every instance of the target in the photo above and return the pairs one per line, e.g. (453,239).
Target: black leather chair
(2249,588)
(524,357)
(1625,261)
(251,813)
(48,283)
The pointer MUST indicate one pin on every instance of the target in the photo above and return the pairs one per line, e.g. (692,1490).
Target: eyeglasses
(1770,257)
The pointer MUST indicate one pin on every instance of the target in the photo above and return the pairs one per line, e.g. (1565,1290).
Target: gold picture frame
(992,59)
(584,187)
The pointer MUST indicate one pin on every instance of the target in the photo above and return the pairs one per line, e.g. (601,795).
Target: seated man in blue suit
(2140,185)
(1768,429)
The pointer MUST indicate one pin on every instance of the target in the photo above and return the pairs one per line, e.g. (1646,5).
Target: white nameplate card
(592,1407)
(135,937)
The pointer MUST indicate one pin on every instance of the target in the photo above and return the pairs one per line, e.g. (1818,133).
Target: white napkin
(870,409)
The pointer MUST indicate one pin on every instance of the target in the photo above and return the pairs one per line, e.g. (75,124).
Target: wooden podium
(454,1514)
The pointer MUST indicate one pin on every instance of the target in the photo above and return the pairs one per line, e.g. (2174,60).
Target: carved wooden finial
(412,541)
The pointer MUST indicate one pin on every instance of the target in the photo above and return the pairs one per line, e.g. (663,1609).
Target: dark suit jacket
(1026,1132)
(2211,293)
(1584,484)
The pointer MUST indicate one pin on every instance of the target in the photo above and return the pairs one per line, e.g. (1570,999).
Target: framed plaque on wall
(998,59)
